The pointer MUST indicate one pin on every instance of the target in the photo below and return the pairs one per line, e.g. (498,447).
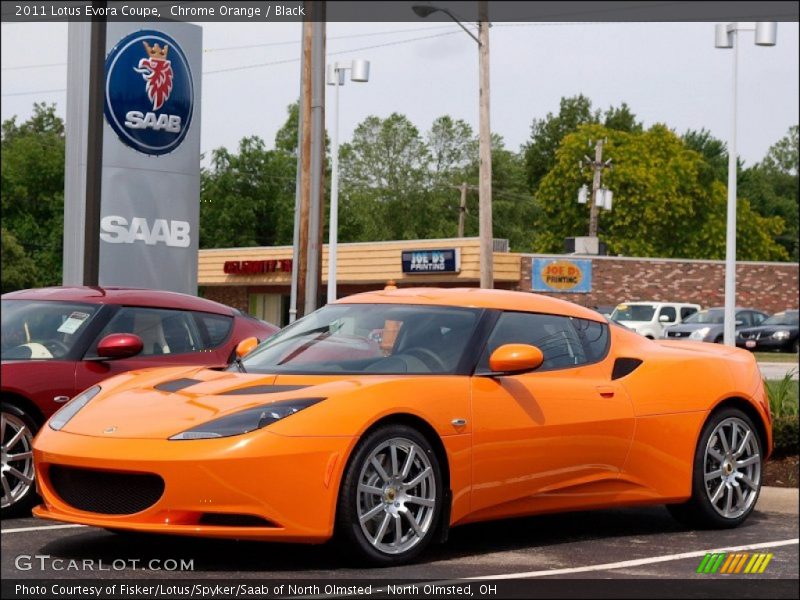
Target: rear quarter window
(218,328)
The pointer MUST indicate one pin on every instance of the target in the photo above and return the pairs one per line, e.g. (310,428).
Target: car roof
(475,298)
(122,296)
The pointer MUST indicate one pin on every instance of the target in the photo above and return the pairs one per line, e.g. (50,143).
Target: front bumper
(290,483)
(768,343)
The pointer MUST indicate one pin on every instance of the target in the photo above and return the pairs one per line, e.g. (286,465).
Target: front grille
(106,492)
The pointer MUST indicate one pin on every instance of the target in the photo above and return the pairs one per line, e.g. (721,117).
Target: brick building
(258,280)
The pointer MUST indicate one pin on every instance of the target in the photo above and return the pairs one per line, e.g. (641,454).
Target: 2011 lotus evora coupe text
(387,417)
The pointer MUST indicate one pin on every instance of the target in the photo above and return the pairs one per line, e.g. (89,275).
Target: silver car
(707,325)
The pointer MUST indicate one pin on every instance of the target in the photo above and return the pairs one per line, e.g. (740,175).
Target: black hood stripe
(176,384)
(262,389)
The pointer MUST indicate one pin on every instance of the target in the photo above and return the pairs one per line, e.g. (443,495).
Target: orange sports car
(387,417)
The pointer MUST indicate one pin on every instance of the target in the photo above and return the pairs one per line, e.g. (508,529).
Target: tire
(381,496)
(795,349)
(19,428)
(702,511)
(718,340)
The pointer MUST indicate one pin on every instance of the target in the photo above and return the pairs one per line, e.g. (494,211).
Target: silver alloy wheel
(732,468)
(396,496)
(16,440)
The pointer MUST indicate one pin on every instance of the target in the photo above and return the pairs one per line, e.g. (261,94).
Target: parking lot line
(638,562)
(39,528)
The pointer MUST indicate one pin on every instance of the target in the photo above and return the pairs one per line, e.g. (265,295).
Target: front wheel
(391,496)
(727,473)
(16,431)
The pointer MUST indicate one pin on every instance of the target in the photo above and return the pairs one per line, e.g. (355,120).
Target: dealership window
(565,342)
(273,308)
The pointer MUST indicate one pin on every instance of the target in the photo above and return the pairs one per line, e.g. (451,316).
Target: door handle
(605,391)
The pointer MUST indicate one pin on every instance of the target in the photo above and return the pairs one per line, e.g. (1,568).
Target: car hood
(159,403)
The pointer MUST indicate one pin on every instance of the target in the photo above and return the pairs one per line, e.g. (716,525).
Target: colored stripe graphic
(726,563)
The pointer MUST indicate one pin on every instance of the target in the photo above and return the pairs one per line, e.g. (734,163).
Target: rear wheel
(17,429)
(391,496)
(727,473)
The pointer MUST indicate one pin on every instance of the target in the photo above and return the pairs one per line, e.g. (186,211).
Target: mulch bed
(781,471)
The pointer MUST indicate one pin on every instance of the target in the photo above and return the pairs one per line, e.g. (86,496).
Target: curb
(778,500)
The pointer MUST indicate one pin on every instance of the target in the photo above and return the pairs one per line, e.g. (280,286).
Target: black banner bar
(391,10)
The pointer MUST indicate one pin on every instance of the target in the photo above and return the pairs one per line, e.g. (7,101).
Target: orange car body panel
(536,442)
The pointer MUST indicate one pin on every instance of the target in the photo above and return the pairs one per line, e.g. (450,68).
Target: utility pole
(597,166)
(462,209)
(316,210)
(485,154)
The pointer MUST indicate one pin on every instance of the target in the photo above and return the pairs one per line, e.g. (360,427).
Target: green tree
(772,188)
(32,197)
(662,205)
(547,133)
(19,269)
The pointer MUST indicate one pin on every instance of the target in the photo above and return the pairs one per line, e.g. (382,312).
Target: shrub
(783,396)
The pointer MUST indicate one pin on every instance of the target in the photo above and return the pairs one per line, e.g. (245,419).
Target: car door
(170,337)
(559,427)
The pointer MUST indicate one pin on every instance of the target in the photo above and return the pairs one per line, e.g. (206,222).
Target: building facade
(258,280)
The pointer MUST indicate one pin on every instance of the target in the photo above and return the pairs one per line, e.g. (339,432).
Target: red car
(61,340)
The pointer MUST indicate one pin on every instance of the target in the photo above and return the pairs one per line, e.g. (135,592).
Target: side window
(594,337)
(746,317)
(758,318)
(687,311)
(218,328)
(669,311)
(564,342)
(162,331)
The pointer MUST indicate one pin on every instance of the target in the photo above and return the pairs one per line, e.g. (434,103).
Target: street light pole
(485,154)
(359,71)
(484,135)
(726,37)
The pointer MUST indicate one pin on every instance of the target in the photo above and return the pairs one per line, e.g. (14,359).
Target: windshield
(785,318)
(714,317)
(633,312)
(42,330)
(369,338)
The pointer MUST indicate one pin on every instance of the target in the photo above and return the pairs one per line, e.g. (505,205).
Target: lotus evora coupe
(388,417)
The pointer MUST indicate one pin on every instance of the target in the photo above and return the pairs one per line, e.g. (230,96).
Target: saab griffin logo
(156,70)
(732,563)
(149,92)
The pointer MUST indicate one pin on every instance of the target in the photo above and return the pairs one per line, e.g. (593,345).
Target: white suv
(650,318)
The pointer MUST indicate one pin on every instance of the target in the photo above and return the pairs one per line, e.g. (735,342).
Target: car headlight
(246,420)
(69,410)
(781,335)
(699,334)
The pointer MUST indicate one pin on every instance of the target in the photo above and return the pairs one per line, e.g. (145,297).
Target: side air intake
(624,366)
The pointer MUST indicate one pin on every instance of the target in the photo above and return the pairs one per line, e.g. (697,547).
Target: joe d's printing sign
(431,261)
(561,275)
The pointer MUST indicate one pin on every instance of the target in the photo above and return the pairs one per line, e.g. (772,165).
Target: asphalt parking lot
(776,370)
(629,543)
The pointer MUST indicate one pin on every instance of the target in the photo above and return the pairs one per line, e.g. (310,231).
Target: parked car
(387,417)
(59,341)
(605,309)
(778,332)
(650,318)
(707,325)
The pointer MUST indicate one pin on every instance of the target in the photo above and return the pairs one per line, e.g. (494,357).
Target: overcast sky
(666,72)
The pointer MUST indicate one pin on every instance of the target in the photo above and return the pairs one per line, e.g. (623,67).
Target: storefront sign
(561,275)
(417,262)
(256,267)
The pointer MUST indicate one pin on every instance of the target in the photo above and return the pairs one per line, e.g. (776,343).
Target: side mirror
(119,345)
(665,319)
(515,358)
(246,346)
